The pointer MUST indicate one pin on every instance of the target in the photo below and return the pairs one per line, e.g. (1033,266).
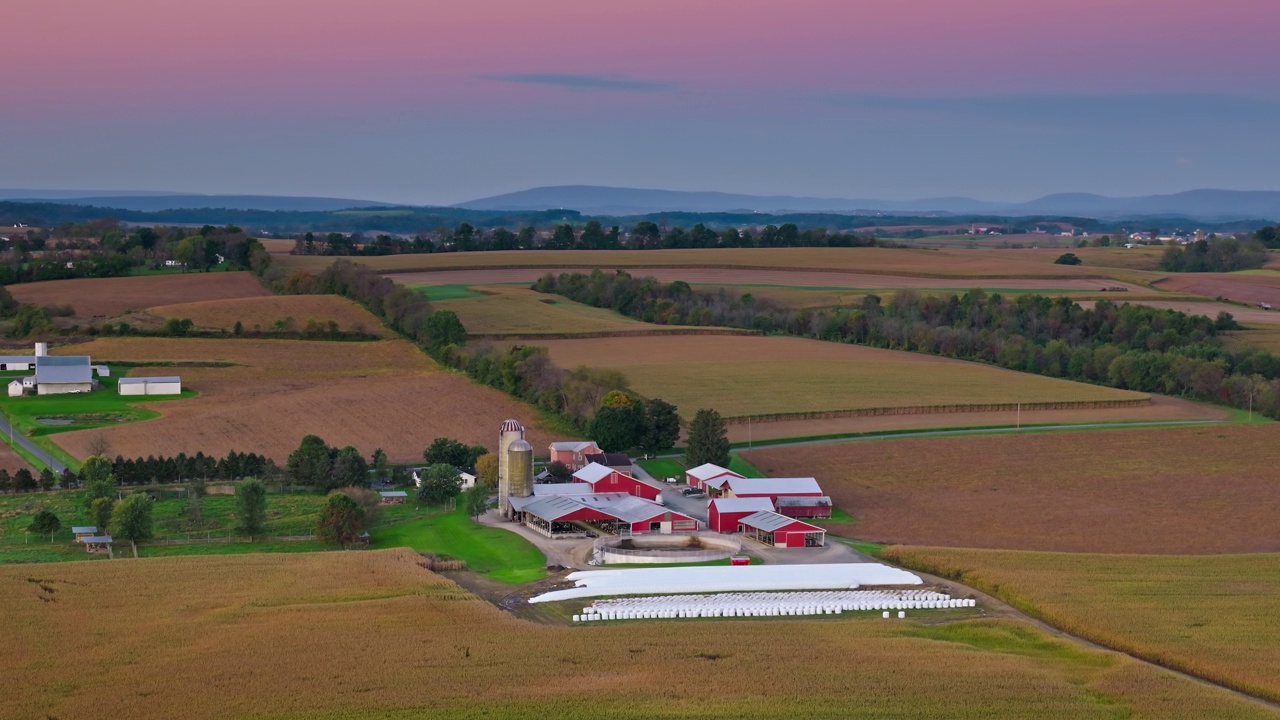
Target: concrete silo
(519,470)
(511,431)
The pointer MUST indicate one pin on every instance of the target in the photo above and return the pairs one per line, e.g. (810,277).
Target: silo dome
(512,426)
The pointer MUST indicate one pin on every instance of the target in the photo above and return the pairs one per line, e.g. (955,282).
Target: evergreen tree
(350,469)
(251,508)
(311,464)
(44,522)
(661,427)
(24,481)
(47,479)
(6,482)
(708,440)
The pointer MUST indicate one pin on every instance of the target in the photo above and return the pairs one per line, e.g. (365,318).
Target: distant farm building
(614,461)
(573,453)
(723,514)
(770,528)
(15,388)
(698,477)
(59,375)
(604,479)
(171,385)
(102,370)
(17,362)
(394,497)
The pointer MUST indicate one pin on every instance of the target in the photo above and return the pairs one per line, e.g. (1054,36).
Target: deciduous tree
(100,510)
(341,520)
(440,484)
(251,508)
(476,499)
(311,464)
(350,469)
(131,520)
(487,470)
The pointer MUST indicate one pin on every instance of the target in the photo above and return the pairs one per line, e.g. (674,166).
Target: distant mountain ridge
(150,201)
(600,200)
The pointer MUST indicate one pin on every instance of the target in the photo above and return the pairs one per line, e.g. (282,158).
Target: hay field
(1213,616)
(1191,490)
(875,261)
(262,313)
(372,634)
(752,375)
(382,394)
(106,297)
(504,310)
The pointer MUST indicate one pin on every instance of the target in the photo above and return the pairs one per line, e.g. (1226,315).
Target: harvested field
(505,310)
(752,375)
(782,278)
(263,313)
(10,460)
(1242,287)
(106,297)
(1243,315)
(371,394)
(1266,337)
(1160,408)
(1212,616)
(1191,490)
(222,637)
(872,261)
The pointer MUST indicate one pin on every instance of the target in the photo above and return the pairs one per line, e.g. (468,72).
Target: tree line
(593,235)
(1217,254)
(1125,346)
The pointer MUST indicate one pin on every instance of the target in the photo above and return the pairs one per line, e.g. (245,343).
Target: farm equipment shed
(770,528)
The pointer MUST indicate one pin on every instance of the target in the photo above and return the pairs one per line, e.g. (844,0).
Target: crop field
(752,375)
(107,297)
(1213,616)
(1160,409)
(873,261)
(374,634)
(11,460)
(1242,287)
(270,313)
(1247,316)
(506,310)
(382,394)
(1190,490)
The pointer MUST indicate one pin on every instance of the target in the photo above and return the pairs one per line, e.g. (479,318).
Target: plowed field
(368,394)
(755,375)
(506,310)
(373,635)
(1165,491)
(105,297)
(263,313)
(10,460)
(1243,287)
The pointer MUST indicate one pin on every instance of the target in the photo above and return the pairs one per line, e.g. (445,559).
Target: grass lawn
(493,552)
(740,465)
(446,292)
(663,468)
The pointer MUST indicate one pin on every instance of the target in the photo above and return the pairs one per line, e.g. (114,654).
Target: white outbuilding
(15,388)
(171,385)
(63,374)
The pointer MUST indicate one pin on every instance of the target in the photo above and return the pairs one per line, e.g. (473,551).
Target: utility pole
(1019,421)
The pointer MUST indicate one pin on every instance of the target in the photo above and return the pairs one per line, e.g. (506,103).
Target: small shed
(102,370)
(776,530)
(84,531)
(394,497)
(171,385)
(29,382)
(16,389)
(804,507)
(97,544)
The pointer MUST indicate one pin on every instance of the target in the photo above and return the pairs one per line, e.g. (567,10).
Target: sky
(434,102)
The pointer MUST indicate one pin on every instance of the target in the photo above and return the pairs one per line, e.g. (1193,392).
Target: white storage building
(58,375)
(151,385)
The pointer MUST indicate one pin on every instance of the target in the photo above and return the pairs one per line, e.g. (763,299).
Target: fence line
(940,410)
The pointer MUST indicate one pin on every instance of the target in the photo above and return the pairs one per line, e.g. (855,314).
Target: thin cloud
(584,82)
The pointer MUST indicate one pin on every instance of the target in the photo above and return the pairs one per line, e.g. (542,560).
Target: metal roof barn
(63,374)
(770,528)
(772,487)
(723,514)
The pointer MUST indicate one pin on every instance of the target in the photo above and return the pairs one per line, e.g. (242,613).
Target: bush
(1068,259)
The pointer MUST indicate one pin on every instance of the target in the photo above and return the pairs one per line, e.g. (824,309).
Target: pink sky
(155,52)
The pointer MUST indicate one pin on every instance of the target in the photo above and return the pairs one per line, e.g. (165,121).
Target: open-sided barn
(607,480)
(723,514)
(560,514)
(770,528)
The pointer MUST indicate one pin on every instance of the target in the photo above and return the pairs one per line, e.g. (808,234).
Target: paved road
(36,450)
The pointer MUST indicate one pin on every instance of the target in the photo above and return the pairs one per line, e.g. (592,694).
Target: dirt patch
(107,297)
(1198,490)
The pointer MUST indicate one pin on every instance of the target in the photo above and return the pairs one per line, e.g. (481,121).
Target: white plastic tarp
(653,581)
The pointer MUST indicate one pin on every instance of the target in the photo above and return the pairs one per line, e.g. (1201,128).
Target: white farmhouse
(151,385)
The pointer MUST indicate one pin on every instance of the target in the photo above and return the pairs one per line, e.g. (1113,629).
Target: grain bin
(520,469)
(511,431)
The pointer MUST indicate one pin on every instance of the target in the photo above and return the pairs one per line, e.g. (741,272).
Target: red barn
(607,480)
(573,453)
(770,528)
(772,488)
(554,515)
(698,477)
(724,513)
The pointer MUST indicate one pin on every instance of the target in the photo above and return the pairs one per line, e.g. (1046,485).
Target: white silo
(511,431)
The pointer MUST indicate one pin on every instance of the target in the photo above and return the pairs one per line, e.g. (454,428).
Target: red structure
(555,515)
(573,452)
(772,488)
(723,514)
(804,507)
(607,480)
(698,477)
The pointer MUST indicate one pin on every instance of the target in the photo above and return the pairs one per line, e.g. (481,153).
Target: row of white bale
(767,604)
